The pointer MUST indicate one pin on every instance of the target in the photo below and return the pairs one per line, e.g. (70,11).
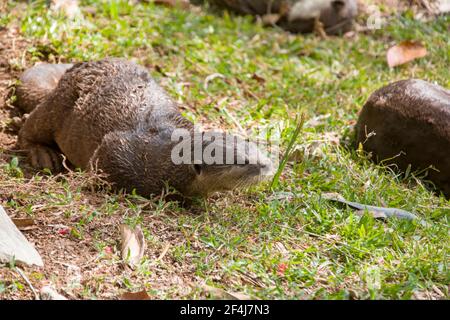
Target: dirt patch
(80,244)
(12,61)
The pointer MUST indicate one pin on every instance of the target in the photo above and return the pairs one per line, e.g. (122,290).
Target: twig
(20,272)
(163,253)
(64,163)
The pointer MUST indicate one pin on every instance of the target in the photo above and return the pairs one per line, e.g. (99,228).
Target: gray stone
(14,245)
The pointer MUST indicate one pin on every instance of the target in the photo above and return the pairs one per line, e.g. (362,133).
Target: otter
(111,115)
(407,123)
(300,16)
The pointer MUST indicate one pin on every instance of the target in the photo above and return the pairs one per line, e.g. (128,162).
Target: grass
(280,243)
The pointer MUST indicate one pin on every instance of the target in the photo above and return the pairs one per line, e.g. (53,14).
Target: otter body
(336,16)
(410,125)
(112,116)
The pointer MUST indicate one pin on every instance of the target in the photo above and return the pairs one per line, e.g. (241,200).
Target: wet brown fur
(336,18)
(112,116)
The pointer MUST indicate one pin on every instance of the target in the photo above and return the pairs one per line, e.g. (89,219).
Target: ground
(269,242)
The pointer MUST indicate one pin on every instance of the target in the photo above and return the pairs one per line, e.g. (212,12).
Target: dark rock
(411,123)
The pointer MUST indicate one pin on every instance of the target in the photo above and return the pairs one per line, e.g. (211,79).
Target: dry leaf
(24,224)
(133,245)
(183,4)
(282,249)
(404,52)
(270,19)
(297,155)
(258,78)
(140,295)
(225,295)
(377,212)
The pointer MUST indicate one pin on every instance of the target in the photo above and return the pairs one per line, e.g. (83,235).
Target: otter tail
(36,83)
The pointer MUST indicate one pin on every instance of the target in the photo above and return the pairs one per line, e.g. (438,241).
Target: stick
(20,272)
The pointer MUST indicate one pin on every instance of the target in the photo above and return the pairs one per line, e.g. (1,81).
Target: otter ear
(197,168)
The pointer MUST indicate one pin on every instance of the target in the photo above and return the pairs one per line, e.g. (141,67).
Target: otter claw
(46,158)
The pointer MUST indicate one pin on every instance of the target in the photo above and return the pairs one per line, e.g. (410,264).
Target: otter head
(338,17)
(223,162)
(196,164)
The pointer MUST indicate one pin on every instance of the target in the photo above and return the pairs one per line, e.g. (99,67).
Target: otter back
(36,83)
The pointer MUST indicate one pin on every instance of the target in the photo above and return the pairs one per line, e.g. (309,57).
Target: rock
(408,123)
(13,244)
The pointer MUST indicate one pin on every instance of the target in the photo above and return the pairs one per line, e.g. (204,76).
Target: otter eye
(197,168)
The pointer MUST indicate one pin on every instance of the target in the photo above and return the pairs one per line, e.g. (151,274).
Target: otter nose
(266,168)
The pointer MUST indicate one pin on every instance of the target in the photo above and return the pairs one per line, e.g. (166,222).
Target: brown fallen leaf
(133,245)
(258,78)
(404,52)
(24,224)
(183,4)
(140,295)
(270,19)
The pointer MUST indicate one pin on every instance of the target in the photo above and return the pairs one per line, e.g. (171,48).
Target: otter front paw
(17,122)
(43,157)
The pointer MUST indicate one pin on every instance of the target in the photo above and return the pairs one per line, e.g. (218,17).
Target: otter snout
(240,164)
(262,164)
(267,168)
